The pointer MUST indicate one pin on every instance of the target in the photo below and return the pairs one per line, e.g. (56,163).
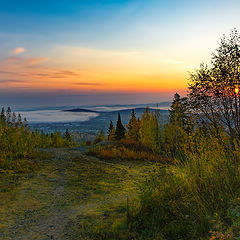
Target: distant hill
(123,111)
(138,110)
(80,110)
(101,122)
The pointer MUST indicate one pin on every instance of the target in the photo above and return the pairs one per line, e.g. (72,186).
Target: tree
(8,116)
(149,130)
(214,89)
(19,120)
(111,132)
(25,123)
(179,115)
(177,110)
(133,128)
(120,130)
(67,135)
(3,117)
(100,137)
(176,133)
(14,118)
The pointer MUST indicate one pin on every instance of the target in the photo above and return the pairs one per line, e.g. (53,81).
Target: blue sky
(131,43)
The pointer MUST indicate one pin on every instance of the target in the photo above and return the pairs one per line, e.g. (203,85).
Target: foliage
(120,130)
(133,128)
(149,130)
(197,197)
(99,138)
(214,89)
(111,132)
(181,201)
(127,149)
(18,142)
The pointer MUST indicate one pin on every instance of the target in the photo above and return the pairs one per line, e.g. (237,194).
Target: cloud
(19,50)
(26,61)
(11,81)
(54,73)
(88,84)
(13,59)
(34,61)
(5,72)
(68,72)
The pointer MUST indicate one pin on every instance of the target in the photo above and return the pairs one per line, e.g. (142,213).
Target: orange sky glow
(145,49)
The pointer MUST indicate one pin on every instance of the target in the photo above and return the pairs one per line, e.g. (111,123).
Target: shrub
(182,200)
(127,150)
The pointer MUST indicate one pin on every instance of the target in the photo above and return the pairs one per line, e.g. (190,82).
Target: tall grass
(191,198)
(127,149)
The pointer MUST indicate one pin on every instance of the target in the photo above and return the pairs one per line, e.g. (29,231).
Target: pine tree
(8,116)
(133,127)
(14,119)
(180,125)
(178,113)
(19,120)
(111,132)
(120,130)
(3,117)
(25,123)
(177,110)
(67,135)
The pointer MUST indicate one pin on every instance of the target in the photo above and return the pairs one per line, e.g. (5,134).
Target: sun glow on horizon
(124,47)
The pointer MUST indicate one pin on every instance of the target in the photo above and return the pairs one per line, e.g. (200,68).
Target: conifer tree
(19,120)
(177,110)
(25,123)
(8,116)
(180,125)
(3,117)
(178,113)
(120,130)
(133,127)
(14,118)
(111,132)
(67,135)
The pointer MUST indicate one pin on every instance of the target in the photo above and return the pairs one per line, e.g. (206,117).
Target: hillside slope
(70,196)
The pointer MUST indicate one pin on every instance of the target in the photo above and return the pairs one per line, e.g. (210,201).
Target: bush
(99,138)
(18,142)
(182,200)
(127,150)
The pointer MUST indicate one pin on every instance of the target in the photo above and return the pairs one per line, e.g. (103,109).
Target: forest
(19,144)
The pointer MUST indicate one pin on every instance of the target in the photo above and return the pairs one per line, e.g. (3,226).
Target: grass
(70,196)
(194,199)
(127,150)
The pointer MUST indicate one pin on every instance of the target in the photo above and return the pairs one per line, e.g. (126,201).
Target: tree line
(17,141)
(197,197)
(210,110)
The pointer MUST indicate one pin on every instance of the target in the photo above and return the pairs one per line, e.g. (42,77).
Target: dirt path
(71,196)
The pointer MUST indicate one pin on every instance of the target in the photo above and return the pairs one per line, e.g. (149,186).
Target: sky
(89,52)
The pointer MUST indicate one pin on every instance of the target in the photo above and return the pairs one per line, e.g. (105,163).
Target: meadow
(68,195)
